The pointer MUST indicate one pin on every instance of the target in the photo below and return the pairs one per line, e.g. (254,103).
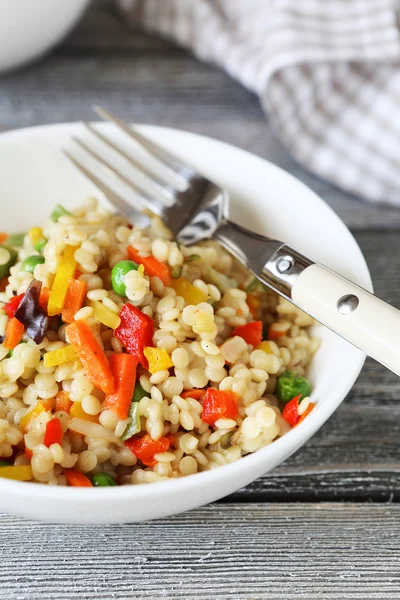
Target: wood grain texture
(248,552)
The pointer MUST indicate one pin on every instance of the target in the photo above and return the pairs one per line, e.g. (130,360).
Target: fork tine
(155,181)
(166,158)
(150,203)
(115,199)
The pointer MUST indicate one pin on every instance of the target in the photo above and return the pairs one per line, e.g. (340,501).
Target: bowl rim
(297,436)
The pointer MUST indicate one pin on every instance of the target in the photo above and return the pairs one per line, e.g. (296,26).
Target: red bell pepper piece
(135,332)
(54,433)
(145,448)
(123,367)
(12,306)
(251,332)
(219,404)
(291,411)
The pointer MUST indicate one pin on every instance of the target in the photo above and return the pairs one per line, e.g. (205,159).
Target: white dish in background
(35,175)
(29,28)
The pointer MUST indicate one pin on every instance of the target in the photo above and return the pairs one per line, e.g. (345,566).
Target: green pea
(118,274)
(290,384)
(40,244)
(16,239)
(59,211)
(103,480)
(30,263)
(8,257)
(4,463)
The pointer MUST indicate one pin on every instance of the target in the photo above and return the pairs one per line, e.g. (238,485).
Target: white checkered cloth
(327,73)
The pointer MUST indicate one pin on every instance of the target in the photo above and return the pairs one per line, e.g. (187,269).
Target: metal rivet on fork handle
(284,264)
(347,304)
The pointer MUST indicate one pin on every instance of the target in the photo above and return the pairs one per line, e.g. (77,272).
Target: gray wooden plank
(144,79)
(251,552)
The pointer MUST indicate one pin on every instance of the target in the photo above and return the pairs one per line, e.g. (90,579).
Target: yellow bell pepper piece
(36,234)
(65,271)
(189,292)
(60,356)
(77,411)
(104,315)
(158,359)
(253,301)
(30,416)
(17,472)
(141,269)
(265,347)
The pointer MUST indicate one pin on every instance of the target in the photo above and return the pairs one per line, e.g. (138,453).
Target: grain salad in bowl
(126,358)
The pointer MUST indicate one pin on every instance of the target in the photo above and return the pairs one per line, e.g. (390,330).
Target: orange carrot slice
(77,479)
(123,367)
(152,266)
(91,355)
(74,299)
(14,332)
(196,394)
(63,402)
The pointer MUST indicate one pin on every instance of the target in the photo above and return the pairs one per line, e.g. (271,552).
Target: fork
(195,209)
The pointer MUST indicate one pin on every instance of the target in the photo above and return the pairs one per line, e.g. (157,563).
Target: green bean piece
(103,480)
(8,257)
(28,265)
(289,385)
(253,285)
(134,426)
(193,257)
(176,272)
(16,239)
(59,211)
(118,275)
(40,244)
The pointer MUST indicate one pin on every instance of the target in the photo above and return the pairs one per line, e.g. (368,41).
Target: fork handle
(358,316)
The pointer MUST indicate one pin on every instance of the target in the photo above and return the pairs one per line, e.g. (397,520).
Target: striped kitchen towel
(327,73)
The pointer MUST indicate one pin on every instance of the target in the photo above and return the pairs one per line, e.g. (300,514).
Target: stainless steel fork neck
(281,271)
(273,263)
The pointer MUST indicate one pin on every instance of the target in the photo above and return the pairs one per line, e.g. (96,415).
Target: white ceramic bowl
(35,175)
(29,28)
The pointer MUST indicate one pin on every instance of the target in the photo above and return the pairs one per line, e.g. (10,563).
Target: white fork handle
(358,316)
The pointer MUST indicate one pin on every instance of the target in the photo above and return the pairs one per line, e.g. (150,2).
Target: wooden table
(326,523)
